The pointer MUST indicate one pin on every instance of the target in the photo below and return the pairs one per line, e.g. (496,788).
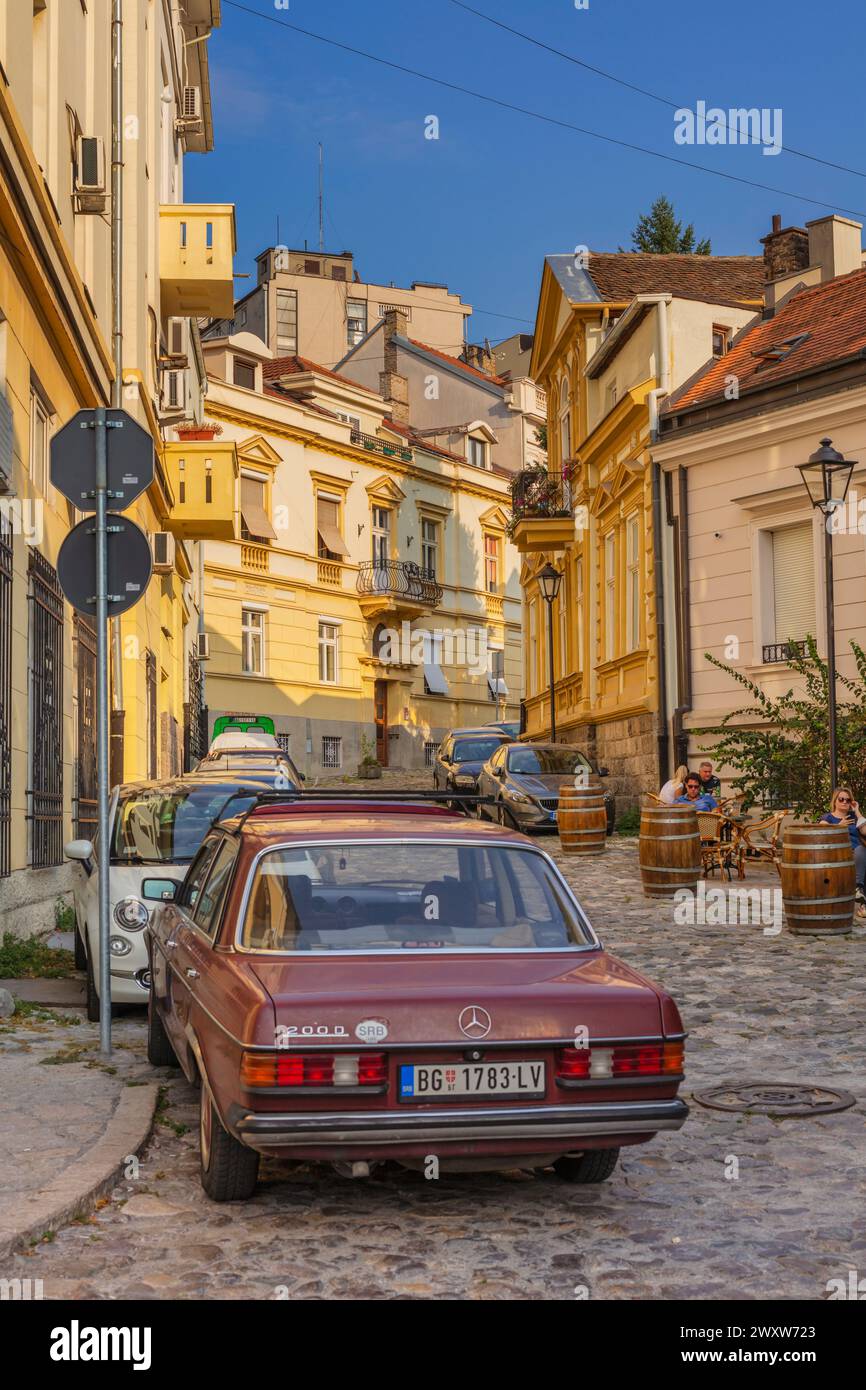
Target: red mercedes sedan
(361,979)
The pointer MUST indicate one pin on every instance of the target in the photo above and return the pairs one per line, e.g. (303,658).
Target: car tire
(229,1170)
(91,996)
(160,1052)
(594,1166)
(504,817)
(80,950)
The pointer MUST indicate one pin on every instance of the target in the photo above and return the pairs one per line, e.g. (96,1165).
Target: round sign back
(129,565)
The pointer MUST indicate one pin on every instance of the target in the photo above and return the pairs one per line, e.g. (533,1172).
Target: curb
(76,1190)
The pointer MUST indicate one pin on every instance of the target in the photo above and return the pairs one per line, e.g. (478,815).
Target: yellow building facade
(372,592)
(615,333)
(66,344)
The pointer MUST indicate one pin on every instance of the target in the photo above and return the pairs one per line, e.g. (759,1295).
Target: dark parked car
(524,781)
(511,727)
(359,980)
(461,756)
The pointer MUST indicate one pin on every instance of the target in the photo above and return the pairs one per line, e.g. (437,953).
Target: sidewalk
(68,1120)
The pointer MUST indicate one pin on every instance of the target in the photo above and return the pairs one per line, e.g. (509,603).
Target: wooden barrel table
(669,851)
(818,879)
(582,819)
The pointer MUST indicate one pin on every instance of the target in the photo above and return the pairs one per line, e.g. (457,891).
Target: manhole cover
(777,1098)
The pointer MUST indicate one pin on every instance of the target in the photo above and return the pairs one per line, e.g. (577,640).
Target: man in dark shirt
(710,785)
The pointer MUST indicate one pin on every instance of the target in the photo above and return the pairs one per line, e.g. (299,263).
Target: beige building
(315,304)
(744,574)
(66,345)
(372,581)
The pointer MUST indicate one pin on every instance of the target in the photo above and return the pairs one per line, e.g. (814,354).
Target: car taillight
(629,1059)
(267,1070)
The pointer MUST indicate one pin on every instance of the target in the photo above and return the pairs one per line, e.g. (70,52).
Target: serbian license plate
(472,1079)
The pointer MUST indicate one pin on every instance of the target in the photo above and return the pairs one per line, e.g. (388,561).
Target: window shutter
(794,583)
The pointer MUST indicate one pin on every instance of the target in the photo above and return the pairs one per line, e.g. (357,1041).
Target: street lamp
(549,580)
(826,478)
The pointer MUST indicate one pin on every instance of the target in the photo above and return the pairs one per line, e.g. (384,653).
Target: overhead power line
(538,115)
(643,91)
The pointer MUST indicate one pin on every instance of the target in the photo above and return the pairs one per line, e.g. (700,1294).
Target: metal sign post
(92,467)
(103,717)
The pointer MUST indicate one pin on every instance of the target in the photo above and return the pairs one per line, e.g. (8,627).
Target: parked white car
(155,829)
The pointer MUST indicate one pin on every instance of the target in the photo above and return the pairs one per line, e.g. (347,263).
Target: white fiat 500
(155,829)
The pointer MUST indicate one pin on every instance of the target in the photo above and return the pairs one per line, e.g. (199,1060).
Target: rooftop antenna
(321,197)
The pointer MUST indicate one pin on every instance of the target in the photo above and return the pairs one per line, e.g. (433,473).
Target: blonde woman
(844,810)
(675,787)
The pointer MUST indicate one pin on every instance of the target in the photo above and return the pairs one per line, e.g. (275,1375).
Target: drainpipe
(655,397)
(117,711)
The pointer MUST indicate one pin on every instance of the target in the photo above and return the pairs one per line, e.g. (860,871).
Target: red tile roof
(620,275)
(458,362)
(829,320)
(299,366)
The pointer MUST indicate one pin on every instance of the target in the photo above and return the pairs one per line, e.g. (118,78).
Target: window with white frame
(532,664)
(40,428)
(329,653)
(332,751)
(430,546)
(564,422)
(793,584)
(491,563)
(287,321)
(252,642)
(476,452)
(381,537)
(632,581)
(356,320)
(609,596)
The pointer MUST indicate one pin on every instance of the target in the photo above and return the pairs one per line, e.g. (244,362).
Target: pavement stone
(733,1206)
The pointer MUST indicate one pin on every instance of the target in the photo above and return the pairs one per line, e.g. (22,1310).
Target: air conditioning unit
(190,122)
(202,646)
(163,552)
(90,188)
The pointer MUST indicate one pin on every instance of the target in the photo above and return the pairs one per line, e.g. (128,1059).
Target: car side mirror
(161,890)
(500,771)
(82,850)
(303,776)
(604,772)
(444,758)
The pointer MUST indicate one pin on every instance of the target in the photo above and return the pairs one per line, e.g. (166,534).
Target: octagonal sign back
(129,454)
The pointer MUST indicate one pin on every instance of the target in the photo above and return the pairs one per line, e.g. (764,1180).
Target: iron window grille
(45,686)
(6,541)
(332,751)
(86,812)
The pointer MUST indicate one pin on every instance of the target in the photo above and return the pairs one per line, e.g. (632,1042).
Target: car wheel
(504,817)
(160,1052)
(594,1166)
(229,1170)
(80,950)
(92,998)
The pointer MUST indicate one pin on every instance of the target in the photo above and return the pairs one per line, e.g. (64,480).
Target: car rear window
(153,827)
(475,750)
(408,895)
(545,761)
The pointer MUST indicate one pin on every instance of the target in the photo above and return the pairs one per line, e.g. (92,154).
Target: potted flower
(206,430)
(369,767)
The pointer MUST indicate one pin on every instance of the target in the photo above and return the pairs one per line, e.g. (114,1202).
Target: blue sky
(481,206)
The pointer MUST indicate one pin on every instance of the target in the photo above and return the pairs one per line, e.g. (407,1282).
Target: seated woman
(695,796)
(844,810)
(675,787)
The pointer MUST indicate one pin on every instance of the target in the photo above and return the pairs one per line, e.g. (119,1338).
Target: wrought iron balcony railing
(782,651)
(538,493)
(399,579)
(386,447)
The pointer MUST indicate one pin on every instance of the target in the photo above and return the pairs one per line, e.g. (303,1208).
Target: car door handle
(192,974)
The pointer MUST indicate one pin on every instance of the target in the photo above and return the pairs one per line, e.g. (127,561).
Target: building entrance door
(380,714)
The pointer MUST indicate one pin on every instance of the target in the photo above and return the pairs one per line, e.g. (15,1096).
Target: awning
(255,517)
(435,678)
(331,538)
(497,685)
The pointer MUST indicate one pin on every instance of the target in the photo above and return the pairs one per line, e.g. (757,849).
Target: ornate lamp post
(826,478)
(549,580)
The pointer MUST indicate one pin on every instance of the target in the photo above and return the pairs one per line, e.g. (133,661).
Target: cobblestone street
(673,1222)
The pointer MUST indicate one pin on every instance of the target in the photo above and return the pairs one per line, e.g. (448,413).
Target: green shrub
(628,823)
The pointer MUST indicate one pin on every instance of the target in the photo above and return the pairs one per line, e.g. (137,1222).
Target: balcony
(330,573)
(397,587)
(387,448)
(196,250)
(777,652)
(202,476)
(541,510)
(256,558)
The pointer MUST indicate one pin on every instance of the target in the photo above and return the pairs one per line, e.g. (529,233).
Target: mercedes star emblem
(475,1022)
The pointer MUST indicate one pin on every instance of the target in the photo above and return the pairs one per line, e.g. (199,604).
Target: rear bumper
(392,1129)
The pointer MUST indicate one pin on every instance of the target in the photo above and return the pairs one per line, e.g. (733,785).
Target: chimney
(393,386)
(480,355)
(834,245)
(786,250)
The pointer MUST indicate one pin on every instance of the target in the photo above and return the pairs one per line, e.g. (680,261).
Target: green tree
(659,232)
(782,756)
